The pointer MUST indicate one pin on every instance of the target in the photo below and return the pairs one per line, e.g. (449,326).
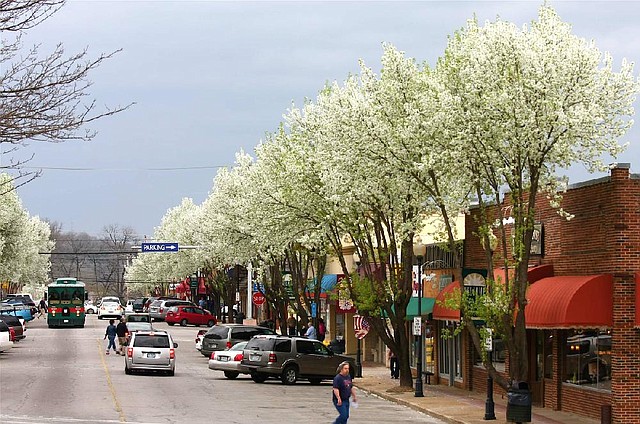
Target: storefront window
(450,349)
(498,355)
(588,358)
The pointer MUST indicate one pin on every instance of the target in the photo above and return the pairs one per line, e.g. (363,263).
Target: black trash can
(519,403)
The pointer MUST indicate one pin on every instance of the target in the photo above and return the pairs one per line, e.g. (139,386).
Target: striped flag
(361,326)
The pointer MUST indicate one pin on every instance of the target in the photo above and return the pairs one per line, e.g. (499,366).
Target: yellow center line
(110,383)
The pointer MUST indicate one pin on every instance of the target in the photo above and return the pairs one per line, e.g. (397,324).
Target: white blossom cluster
(374,156)
(22,240)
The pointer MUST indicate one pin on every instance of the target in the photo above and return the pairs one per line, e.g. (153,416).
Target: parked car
(23,299)
(90,308)
(135,326)
(291,358)
(159,308)
(16,309)
(18,328)
(148,303)
(138,304)
(6,341)
(223,336)
(186,314)
(229,361)
(140,317)
(109,299)
(128,308)
(199,338)
(109,309)
(151,351)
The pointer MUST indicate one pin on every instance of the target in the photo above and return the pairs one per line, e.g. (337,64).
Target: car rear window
(145,340)
(217,332)
(259,343)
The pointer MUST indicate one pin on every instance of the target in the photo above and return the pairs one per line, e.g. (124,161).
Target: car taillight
(272,358)
(213,355)
(161,310)
(130,352)
(12,334)
(172,354)
(228,345)
(238,357)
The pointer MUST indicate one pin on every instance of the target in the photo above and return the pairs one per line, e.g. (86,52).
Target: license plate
(254,357)
(151,355)
(223,358)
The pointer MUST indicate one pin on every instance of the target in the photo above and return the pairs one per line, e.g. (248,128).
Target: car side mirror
(175,345)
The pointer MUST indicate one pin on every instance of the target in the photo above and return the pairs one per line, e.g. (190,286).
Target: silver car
(229,361)
(159,308)
(151,351)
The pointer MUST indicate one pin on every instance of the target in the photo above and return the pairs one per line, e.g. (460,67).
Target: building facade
(583,312)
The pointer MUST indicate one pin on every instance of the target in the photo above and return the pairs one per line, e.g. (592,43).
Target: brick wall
(603,237)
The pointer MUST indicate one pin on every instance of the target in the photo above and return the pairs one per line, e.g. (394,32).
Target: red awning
(570,302)
(202,289)
(439,310)
(442,313)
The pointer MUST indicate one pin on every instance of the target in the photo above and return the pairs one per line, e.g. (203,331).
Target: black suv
(290,358)
(223,336)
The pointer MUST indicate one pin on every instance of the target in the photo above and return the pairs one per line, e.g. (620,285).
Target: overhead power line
(69,168)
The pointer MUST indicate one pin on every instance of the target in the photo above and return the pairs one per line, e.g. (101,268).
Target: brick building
(583,315)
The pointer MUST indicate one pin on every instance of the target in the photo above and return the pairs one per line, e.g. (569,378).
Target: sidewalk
(450,404)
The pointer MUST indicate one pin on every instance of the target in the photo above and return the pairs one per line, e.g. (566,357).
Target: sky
(210,78)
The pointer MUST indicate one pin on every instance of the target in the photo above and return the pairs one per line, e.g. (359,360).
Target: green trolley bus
(66,303)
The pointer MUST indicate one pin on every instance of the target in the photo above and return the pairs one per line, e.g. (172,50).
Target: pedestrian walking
(111,334)
(343,390)
(42,307)
(311,332)
(122,332)
(322,330)
(393,365)
(291,325)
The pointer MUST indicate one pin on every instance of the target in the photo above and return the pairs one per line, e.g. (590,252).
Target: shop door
(536,365)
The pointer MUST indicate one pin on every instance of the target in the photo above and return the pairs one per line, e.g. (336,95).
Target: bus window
(64,295)
(76,297)
(54,297)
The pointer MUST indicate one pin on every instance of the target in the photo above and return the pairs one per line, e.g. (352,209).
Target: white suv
(151,351)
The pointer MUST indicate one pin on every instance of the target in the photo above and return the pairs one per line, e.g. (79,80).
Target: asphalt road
(63,376)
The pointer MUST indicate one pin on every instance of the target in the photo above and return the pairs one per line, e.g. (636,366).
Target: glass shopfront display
(588,358)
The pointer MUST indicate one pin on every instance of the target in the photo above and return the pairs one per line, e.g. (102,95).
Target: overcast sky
(210,78)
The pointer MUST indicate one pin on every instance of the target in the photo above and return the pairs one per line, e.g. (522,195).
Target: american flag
(361,326)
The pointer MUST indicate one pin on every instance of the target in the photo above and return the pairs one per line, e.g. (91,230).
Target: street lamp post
(418,251)
(356,261)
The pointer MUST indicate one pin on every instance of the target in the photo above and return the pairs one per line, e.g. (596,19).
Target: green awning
(426,306)
(412,308)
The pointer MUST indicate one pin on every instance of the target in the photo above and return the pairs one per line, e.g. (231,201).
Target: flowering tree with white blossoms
(22,239)
(520,104)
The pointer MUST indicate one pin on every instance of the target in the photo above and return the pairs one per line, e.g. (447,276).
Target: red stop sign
(258,298)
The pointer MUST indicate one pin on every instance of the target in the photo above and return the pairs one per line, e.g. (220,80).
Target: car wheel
(183,322)
(231,375)
(289,375)
(127,371)
(171,323)
(211,323)
(258,377)
(315,381)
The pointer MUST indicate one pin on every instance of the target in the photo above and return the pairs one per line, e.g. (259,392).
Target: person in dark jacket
(122,332)
(111,334)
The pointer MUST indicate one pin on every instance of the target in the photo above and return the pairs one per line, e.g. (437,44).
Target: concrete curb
(413,406)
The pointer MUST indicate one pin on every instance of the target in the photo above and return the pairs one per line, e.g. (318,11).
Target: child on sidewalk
(111,333)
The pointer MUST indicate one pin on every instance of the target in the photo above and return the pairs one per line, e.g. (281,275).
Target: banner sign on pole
(417,326)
